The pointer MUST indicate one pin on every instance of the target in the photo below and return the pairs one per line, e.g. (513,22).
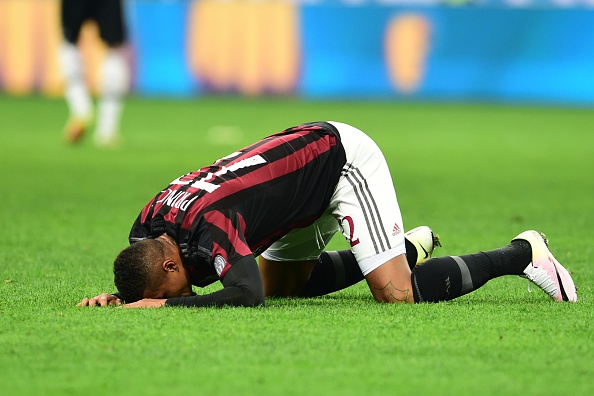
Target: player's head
(151,268)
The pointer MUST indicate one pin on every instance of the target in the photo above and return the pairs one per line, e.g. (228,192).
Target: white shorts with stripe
(364,208)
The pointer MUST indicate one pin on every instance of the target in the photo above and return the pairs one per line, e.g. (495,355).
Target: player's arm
(242,287)
(242,283)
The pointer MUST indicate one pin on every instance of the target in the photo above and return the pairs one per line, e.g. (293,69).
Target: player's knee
(390,293)
(254,300)
(397,297)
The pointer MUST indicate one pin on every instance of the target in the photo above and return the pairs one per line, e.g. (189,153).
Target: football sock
(114,85)
(76,92)
(337,270)
(334,271)
(411,253)
(445,278)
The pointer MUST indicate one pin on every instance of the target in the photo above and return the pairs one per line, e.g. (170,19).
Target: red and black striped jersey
(247,200)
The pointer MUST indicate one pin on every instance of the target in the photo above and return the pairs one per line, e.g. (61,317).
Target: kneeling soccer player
(283,198)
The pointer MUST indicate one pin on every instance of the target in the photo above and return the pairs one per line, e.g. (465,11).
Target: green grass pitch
(477,174)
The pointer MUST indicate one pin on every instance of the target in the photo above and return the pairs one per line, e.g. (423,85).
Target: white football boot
(424,240)
(545,271)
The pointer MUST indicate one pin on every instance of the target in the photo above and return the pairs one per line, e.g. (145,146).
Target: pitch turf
(478,174)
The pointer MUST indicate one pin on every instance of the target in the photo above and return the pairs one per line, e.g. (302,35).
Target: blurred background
(535,51)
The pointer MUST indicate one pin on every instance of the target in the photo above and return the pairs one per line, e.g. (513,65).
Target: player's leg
(297,266)
(286,266)
(113,87)
(78,99)
(446,278)
(114,71)
(391,281)
(332,271)
(366,207)
(284,278)
(337,270)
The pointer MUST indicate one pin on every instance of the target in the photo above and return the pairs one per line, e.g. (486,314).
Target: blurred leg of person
(78,99)
(114,72)
(114,85)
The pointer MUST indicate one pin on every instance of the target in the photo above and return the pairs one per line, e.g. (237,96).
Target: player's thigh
(287,264)
(284,278)
(109,15)
(365,203)
(304,244)
(73,13)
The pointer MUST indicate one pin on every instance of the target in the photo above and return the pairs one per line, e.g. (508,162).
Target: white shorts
(364,208)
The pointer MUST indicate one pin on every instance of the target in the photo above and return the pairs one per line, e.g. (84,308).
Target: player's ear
(170,266)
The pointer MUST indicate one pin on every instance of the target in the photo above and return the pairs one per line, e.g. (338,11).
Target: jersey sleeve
(233,262)
(242,288)
(228,240)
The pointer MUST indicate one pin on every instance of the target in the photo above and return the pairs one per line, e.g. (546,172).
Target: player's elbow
(252,299)
(248,297)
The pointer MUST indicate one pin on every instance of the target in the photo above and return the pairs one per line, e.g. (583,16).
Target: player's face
(171,288)
(175,279)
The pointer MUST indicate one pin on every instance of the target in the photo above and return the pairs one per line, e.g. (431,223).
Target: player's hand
(101,300)
(147,303)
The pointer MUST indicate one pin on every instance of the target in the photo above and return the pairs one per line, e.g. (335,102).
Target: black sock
(411,253)
(445,278)
(337,270)
(334,271)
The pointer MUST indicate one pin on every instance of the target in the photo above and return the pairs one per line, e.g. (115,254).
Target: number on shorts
(351,223)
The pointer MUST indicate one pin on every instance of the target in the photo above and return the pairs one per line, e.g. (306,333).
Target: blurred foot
(107,141)
(75,129)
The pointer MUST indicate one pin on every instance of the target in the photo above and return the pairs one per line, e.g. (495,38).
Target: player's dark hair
(133,269)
